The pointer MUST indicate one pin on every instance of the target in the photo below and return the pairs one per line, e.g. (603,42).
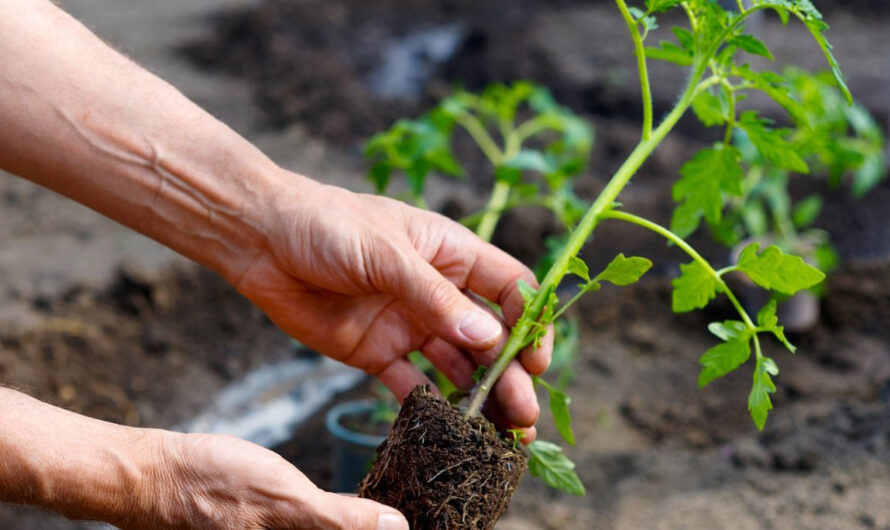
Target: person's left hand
(366,280)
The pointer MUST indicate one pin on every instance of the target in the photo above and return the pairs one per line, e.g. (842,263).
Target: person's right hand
(220,482)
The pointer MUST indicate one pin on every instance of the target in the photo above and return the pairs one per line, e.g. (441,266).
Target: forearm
(81,119)
(83,468)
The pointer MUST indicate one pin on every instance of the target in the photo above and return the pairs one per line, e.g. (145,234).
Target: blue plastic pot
(353,451)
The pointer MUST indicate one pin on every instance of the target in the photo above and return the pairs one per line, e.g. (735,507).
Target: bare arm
(87,122)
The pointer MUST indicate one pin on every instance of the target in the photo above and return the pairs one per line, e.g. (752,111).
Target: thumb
(447,311)
(353,513)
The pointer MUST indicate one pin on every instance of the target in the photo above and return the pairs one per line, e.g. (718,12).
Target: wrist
(109,475)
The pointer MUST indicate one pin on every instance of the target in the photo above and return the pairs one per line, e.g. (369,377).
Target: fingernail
(479,326)
(391,521)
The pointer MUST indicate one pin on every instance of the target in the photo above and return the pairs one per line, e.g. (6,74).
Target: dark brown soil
(442,471)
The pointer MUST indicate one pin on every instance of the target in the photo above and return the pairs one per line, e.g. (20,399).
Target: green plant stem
(717,275)
(685,247)
(492,212)
(482,138)
(730,122)
(641,66)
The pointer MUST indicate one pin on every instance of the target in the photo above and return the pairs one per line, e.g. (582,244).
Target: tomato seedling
(711,46)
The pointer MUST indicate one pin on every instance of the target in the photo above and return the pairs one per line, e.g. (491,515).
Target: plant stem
(493,210)
(482,138)
(685,247)
(730,122)
(641,66)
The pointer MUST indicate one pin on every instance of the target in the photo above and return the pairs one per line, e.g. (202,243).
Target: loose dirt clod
(441,470)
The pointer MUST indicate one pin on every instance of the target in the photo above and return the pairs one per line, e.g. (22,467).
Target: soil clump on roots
(443,471)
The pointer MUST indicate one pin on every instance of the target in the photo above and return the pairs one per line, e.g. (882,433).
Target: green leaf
(778,89)
(624,271)
(527,291)
(767,319)
(655,6)
(771,143)
(510,175)
(559,407)
(775,270)
(711,173)
(649,23)
(548,463)
(730,330)
(379,174)
(670,52)
(817,27)
(759,403)
(530,160)
(722,359)
(693,289)
(479,373)
(806,211)
(684,37)
(751,45)
(579,268)
(872,171)
(709,109)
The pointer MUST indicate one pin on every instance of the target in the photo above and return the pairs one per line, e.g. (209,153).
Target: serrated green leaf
(722,359)
(730,330)
(806,211)
(548,463)
(693,289)
(778,89)
(670,52)
(559,408)
(655,6)
(527,291)
(579,268)
(772,143)
(817,27)
(751,45)
(684,37)
(709,109)
(767,319)
(624,271)
(772,269)
(711,173)
(649,23)
(685,219)
(759,403)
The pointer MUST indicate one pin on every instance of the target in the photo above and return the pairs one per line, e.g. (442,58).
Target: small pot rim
(332,422)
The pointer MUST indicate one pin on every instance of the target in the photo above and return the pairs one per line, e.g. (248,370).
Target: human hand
(220,482)
(366,280)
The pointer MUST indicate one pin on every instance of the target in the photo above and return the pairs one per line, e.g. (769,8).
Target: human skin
(359,278)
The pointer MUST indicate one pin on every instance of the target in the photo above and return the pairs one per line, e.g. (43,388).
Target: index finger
(495,276)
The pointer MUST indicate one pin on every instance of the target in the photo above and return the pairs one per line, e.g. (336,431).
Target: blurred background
(102,321)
